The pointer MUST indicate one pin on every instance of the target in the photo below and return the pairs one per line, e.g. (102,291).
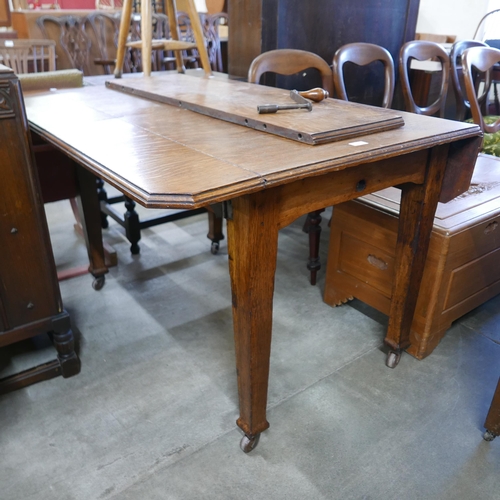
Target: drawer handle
(378,263)
(490,227)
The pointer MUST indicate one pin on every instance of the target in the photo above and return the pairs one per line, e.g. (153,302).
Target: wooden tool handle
(317,94)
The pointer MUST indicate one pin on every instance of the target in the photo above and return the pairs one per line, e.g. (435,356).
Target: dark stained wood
(423,50)
(289,62)
(363,54)
(30,300)
(492,423)
(164,156)
(483,59)
(458,48)
(322,27)
(330,120)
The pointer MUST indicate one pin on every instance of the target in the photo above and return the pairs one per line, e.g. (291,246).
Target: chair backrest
(28,55)
(458,48)
(482,59)
(73,41)
(488,29)
(422,50)
(289,62)
(363,54)
(105,26)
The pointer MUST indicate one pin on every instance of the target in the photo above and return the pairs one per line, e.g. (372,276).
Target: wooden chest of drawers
(462,269)
(30,299)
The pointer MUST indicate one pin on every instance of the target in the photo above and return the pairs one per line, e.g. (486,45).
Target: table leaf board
(330,120)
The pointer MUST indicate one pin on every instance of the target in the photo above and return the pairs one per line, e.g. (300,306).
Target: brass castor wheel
(98,282)
(215,247)
(393,358)
(489,436)
(248,443)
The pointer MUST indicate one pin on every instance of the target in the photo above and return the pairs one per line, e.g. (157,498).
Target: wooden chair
(482,59)
(105,26)
(73,47)
(289,62)
(363,54)
(458,48)
(492,424)
(147,44)
(28,56)
(422,50)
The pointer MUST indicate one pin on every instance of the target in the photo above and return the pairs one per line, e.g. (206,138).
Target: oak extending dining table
(165,156)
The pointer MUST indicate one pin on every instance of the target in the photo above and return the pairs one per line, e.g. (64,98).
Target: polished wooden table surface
(165,156)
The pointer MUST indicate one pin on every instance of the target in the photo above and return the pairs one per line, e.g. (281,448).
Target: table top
(165,156)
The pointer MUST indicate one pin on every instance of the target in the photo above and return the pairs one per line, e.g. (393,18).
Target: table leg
(90,217)
(416,218)
(252,246)
(492,424)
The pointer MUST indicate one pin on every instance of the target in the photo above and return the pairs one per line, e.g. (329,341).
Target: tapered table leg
(492,424)
(252,246)
(416,217)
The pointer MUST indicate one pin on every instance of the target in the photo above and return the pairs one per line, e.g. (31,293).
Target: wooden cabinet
(322,26)
(30,299)
(461,270)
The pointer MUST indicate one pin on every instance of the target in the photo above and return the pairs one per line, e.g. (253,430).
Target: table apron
(315,193)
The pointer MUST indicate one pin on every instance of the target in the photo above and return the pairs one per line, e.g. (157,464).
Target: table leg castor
(393,358)
(98,282)
(248,443)
(489,436)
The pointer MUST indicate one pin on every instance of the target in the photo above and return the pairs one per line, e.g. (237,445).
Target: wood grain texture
(128,141)
(493,418)
(237,102)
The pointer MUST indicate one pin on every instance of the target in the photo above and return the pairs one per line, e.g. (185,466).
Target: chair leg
(122,37)
(198,36)
(174,34)
(313,224)
(146,36)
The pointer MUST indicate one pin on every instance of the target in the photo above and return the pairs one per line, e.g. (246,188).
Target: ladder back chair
(28,56)
(290,62)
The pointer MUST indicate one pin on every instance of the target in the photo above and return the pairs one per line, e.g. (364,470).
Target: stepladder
(174,44)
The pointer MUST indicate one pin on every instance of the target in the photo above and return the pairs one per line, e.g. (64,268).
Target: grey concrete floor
(152,413)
